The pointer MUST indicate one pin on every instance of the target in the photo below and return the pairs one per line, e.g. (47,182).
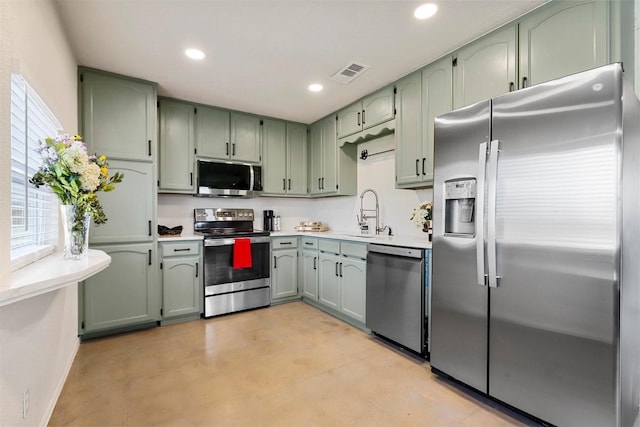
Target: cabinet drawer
(354,249)
(284,242)
(179,248)
(309,243)
(328,245)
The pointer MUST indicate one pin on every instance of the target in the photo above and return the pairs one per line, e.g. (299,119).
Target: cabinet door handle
(233,149)
(284,185)
(227,148)
(285,243)
(149,147)
(191,178)
(511,86)
(340,269)
(182,250)
(315,258)
(524,82)
(289,184)
(323,183)
(337,269)
(319,184)
(275,262)
(149,256)
(417,165)
(358,118)
(149,227)
(308,243)
(362,117)
(424,159)
(197,268)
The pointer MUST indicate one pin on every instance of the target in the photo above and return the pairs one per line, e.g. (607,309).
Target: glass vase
(75,225)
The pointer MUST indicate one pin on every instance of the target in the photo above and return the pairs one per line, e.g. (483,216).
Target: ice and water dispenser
(460,200)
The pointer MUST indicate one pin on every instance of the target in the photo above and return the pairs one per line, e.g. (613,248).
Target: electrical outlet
(25,404)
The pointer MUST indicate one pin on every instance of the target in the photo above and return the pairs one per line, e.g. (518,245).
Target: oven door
(221,277)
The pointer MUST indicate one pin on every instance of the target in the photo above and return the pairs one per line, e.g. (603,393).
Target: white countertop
(406,241)
(50,273)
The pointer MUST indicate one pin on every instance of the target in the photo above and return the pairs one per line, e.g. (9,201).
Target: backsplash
(376,172)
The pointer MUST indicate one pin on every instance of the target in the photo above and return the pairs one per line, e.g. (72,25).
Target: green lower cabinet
(310,274)
(182,286)
(329,280)
(124,296)
(353,288)
(284,268)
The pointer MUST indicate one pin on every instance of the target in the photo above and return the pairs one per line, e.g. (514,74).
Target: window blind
(34,211)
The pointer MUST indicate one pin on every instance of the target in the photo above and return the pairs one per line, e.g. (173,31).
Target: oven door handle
(230,241)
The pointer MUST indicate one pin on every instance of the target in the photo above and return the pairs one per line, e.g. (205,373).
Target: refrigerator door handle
(482,170)
(492,178)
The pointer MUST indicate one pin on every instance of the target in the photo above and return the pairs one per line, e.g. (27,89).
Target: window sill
(51,273)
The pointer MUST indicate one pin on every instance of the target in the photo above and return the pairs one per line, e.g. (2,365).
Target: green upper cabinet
(274,133)
(409,129)
(296,159)
(485,68)
(332,169)
(284,158)
(561,39)
(245,138)
(371,111)
(421,97)
(177,147)
(118,115)
(212,133)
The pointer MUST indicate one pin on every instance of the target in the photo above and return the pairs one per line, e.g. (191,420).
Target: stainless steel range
(230,286)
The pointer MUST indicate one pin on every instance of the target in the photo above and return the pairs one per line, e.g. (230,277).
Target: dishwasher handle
(396,250)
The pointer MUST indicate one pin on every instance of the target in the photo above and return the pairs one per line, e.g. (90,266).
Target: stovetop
(219,223)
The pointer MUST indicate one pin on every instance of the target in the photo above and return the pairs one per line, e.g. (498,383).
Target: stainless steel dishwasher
(397,296)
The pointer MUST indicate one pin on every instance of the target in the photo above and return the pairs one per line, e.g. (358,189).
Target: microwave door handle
(480,184)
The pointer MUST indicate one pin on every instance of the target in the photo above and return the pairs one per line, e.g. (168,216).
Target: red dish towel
(241,253)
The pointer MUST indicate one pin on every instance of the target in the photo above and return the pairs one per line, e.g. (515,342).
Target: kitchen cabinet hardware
(340,269)
(275,262)
(337,269)
(197,268)
(150,257)
(424,159)
(227,148)
(149,227)
(319,184)
(289,183)
(149,147)
(285,243)
(182,250)
(524,82)
(315,262)
(191,177)
(363,122)
(511,87)
(417,165)
(359,124)
(284,184)
(161,266)
(323,183)
(233,149)
(308,243)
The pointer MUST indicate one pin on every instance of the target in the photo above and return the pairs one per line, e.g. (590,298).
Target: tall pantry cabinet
(118,119)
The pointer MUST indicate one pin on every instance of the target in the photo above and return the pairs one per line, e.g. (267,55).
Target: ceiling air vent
(349,72)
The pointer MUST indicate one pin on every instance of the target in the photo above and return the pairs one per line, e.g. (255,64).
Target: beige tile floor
(287,365)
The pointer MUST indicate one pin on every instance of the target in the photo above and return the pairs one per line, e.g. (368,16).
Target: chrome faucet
(362,220)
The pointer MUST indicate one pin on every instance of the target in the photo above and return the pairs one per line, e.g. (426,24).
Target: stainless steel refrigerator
(536,249)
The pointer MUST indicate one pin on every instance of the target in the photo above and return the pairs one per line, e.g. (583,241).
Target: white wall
(38,337)
(376,172)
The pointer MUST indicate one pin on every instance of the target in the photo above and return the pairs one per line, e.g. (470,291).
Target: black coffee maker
(267,225)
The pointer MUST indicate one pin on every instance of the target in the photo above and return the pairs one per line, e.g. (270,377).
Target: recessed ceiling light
(194,53)
(425,11)
(316,87)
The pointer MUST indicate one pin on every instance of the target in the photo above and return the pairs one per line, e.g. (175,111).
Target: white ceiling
(262,55)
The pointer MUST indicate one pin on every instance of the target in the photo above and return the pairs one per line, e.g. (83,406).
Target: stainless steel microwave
(228,179)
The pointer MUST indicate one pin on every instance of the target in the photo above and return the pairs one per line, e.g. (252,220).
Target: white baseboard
(56,394)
